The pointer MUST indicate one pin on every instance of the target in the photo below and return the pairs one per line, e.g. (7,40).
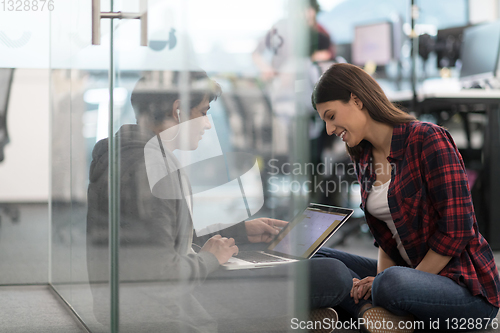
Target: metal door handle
(97,15)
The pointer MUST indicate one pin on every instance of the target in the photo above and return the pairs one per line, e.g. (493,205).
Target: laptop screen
(305,235)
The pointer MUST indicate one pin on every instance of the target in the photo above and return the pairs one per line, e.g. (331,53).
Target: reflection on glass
(184,175)
(156,227)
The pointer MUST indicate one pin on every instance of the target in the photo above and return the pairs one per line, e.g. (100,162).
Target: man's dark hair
(155,93)
(318,41)
(315,5)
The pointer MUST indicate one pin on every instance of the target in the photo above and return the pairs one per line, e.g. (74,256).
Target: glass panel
(80,102)
(24,162)
(186,173)
(24,190)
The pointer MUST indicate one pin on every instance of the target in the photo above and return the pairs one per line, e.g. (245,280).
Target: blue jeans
(330,282)
(402,290)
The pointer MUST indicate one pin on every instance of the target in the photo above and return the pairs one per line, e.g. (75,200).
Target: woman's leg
(430,298)
(330,282)
(358,267)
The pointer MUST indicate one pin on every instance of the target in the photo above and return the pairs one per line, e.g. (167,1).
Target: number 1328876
(26,5)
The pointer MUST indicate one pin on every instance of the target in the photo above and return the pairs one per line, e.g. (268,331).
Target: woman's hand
(362,289)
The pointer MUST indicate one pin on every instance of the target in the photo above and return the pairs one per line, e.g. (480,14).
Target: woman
(433,264)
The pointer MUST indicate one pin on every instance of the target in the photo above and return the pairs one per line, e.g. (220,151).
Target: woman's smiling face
(346,120)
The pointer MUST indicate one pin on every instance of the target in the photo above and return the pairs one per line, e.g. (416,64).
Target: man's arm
(261,230)
(237,231)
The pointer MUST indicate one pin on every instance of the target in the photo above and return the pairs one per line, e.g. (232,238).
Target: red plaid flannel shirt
(431,206)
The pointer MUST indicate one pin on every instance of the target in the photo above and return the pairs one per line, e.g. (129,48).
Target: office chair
(6,78)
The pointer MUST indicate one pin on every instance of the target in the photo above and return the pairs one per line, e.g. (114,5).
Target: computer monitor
(480,54)
(447,46)
(344,51)
(373,43)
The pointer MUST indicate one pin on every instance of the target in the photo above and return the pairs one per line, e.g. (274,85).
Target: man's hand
(221,247)
(361,289)
(263,229)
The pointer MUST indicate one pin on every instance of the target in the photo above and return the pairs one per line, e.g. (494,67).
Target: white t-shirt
(378,206)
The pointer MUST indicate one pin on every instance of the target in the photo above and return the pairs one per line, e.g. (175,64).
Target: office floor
(35,308)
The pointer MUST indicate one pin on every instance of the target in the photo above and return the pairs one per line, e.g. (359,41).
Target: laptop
(299,240)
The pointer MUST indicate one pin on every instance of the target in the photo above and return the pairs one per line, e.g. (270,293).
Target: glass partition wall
(157,148)
(79,89)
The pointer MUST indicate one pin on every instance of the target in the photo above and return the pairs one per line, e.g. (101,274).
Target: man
(156,234)
(159,270)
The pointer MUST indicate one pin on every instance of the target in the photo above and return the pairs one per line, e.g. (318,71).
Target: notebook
(299,240)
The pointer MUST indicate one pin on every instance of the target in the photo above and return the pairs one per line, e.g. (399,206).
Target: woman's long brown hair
(340,80)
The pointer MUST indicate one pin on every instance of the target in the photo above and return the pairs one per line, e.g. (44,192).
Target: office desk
(470,101)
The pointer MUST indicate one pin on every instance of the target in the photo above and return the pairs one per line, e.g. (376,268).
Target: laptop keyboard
(257,257)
